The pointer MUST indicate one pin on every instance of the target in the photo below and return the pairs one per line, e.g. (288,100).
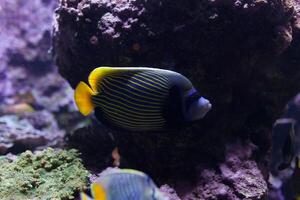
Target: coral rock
(238,177)
(29,131)
(26,67)
(170,192)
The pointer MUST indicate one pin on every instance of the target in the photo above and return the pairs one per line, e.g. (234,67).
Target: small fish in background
(283,154)
(140,98)
(20,108)
(125,184)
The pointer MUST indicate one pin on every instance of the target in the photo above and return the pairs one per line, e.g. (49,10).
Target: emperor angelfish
(125,184)
(140,98)
(283,152)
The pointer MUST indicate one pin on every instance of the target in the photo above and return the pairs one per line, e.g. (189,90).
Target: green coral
(47,175)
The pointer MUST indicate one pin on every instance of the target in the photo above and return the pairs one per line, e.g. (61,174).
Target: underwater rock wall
(29,131)
(241,55)
(33,96)
(237,178)
(178,35)
(26,65)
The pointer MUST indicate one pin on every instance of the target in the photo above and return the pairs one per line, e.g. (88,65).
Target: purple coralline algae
(35,100)
(26,67)
(238,177)
(24,36)
(170,192)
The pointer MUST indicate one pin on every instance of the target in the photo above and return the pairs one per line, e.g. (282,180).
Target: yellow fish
(140,98)
(125,184)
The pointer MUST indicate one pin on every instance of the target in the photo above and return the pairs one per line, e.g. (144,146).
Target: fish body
(125,184)
(285,151)
(140,99)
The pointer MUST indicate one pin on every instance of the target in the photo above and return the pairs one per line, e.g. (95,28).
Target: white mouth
(204,106)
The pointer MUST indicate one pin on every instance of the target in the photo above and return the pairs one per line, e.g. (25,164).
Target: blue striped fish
(140,99)
(125,184)
(285,152)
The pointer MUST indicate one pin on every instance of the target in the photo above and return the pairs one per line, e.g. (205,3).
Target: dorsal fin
(99,73)
(132,171)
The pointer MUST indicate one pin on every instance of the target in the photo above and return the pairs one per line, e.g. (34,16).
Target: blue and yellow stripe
(133,99)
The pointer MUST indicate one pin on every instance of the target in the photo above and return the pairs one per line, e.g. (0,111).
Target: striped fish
(125,184)
(137,99)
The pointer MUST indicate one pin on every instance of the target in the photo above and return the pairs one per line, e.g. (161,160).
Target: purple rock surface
(26,66)
(35,100)
(170,192)
(238,177)
(32,131)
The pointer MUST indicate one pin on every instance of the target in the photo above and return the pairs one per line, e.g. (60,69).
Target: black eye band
(192,98)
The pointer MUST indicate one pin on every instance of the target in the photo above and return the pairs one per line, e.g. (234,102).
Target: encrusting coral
(46,175)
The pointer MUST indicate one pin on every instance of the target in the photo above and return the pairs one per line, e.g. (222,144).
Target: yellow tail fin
(83,98)
(98,191)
